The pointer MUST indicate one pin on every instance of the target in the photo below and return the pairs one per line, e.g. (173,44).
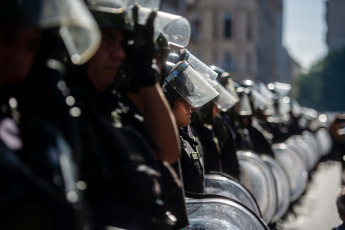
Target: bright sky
(304,30)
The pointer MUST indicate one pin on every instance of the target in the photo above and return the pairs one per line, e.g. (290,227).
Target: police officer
(185,89)
(37,170)
(119,166)
(223,129)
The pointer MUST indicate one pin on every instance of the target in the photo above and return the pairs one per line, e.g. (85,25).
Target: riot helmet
(184,81)
(175,28)
(245,108)
(76,26)
(224,101)
(224,78)
(109,14)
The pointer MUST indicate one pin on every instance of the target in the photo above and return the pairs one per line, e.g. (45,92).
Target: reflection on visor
(259,100)
(78,29)
(114,4)
(150,4)
(224,100)
(231,88)
(176,29)
(199,66)
(266,92)
(283,89)
(245,109)
(190,85)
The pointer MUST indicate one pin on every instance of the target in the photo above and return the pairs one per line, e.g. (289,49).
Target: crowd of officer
(103,123)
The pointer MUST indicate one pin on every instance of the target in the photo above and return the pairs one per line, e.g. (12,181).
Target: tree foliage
(323,87)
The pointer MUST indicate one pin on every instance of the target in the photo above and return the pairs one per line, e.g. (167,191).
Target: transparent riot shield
(211,212)
(293,165)
(312,157)
(291,145)
(282,186)
(311,141)
(324,138)
(220,184)
(257,177)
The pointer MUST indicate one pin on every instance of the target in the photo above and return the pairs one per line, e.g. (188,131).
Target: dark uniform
(122,175)
(191,163)
(38,177)
(227,142)
(210,147)
(173,191)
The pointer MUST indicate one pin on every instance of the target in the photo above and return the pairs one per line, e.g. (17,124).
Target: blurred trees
(323,87)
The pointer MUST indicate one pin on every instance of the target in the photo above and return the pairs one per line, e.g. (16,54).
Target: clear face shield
(284,105)
(283,89)
(260,101)
(198,65)
(224,101)
(78,29)
(231,88)
(296,108)
(175,28)
(190,85)
(245,108)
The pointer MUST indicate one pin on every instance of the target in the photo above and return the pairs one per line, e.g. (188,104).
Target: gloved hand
(142,51)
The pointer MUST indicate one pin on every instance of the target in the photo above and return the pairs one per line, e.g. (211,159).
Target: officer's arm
(160,123)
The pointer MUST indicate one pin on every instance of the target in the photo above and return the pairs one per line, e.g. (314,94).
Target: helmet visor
(176,29)
(224,100)
(259,100)
(76,25)
(190,85)
(199,66)
(245,109)
(78,29)
(231,88)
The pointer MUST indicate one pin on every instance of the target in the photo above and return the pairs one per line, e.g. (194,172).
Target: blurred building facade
(242,37)
(335,19)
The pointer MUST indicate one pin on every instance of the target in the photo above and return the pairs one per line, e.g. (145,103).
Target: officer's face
(18,46)
(104,65)
(215,110)
(182,111)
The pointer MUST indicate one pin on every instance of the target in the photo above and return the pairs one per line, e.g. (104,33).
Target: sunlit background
(300,42)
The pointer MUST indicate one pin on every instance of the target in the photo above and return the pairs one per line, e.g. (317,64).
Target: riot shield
(325,141)
(257,177)
(290,144)
(282,186)
(312,157)
(293,165)
(311,141)
(217,183)
(212,212)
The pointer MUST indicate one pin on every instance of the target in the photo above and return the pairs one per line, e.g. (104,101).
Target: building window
(215,25)
(228,62)
(195,28)
(249,28)
(227,25)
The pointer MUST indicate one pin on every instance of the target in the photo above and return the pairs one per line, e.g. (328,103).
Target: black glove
(142,50)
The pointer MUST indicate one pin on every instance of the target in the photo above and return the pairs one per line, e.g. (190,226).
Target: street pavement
(316,209)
